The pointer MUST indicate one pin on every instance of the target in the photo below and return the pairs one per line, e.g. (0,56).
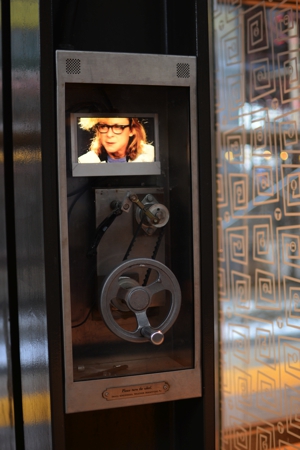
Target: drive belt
(107,222)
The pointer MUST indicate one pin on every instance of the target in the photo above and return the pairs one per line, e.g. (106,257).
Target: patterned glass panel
(257,81)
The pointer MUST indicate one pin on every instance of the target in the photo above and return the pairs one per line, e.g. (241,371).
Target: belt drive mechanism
(127,294)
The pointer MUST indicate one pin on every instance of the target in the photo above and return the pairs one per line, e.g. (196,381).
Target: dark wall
(159,27)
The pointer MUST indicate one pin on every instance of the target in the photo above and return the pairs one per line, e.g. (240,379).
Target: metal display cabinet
(129,228)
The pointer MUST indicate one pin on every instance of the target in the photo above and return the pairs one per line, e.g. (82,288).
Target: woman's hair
(135,142)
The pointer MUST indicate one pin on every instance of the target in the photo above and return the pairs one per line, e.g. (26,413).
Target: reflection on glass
(258,198)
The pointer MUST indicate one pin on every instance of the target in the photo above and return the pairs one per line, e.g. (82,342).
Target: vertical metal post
(28,204)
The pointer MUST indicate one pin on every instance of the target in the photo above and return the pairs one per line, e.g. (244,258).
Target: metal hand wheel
(138,300)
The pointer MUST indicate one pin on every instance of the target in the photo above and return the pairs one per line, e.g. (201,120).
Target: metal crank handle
(154,336)
(134,198)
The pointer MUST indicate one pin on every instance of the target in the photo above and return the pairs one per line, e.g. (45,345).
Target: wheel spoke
(142,319)
(156,286)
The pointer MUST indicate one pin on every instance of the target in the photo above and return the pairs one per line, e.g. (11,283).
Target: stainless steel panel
(125,68)
(26,99)
(7,432)
(87,170)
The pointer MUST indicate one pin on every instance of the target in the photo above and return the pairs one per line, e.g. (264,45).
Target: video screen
(114,144)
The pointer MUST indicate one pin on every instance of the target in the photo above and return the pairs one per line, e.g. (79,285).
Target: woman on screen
(116,139)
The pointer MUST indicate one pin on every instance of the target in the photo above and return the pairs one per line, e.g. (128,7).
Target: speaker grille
(183,70)
(73,66)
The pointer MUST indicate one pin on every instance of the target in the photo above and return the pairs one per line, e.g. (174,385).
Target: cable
(82,188)
(86,318)
(101,229)
(81,191)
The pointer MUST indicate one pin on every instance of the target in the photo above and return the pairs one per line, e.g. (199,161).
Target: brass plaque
(138,390)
